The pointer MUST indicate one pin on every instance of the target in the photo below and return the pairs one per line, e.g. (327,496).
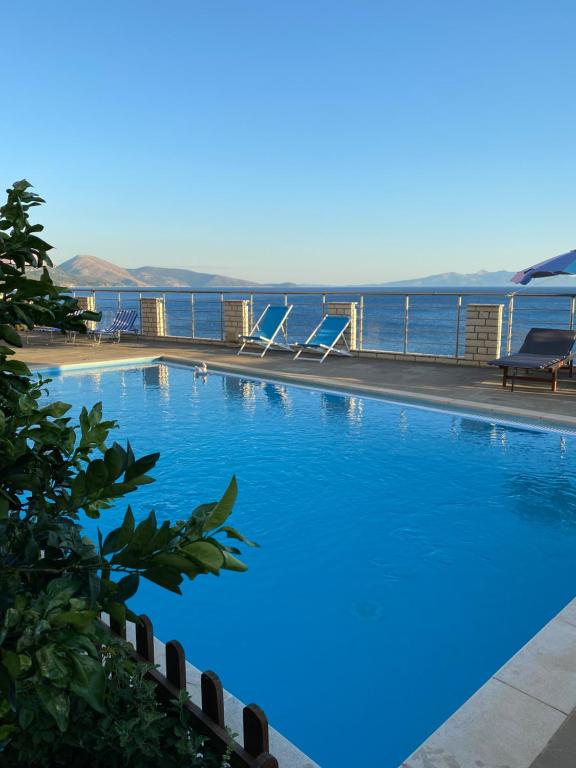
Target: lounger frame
(123,322)
(323,349)
(263,341)
(544,350)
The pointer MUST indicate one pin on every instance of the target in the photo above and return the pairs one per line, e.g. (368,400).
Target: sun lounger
(269,325)
(544,350)
(324,338)
(49,330)
(123,323)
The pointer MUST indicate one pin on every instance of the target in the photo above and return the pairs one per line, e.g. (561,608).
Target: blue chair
(122,323)
(270,323)
(69,336)
(324,338)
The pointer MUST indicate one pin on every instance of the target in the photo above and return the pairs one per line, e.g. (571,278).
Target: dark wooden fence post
(255,730)
(118,626)
(212,697)
(145,638)
(176,664)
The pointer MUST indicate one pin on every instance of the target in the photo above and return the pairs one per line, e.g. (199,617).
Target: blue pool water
(405,553)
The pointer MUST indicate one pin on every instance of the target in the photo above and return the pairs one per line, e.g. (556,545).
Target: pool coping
(509,721)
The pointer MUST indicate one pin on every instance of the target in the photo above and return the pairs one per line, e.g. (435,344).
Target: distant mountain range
(480,279)
(456,279)
(92,272)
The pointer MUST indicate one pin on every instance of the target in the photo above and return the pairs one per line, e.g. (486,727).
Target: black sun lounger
(544,350)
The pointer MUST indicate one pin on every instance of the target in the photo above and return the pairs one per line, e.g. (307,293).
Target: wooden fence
(209,718)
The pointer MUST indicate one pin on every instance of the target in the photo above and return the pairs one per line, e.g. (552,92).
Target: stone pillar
(152,317)
(483,332)
(347,308)
(87,304)
(235,319)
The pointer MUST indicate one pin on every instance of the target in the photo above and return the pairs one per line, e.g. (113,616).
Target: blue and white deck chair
(122,323)
(324,338)
(270,323)
(50,330)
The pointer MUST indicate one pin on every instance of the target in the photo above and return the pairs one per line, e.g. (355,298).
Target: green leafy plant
(68,692)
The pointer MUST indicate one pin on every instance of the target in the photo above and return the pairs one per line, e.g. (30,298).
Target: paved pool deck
(455,386)
(525,715)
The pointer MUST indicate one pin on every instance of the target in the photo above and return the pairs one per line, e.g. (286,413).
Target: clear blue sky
(307,140)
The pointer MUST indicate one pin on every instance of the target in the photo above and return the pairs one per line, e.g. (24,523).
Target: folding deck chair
(324,338)
(270,323)
(544,349)
(123,323)
(69,336)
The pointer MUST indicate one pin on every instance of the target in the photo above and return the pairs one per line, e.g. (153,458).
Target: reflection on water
(157,377)
(276,394)
(240,390)
(341,405)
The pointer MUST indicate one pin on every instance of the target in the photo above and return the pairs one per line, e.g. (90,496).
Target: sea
(416,320)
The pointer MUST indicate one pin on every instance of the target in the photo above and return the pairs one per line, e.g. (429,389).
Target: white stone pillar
(348,309)
(235,319)
(483,332)
(87,304)
(152,317)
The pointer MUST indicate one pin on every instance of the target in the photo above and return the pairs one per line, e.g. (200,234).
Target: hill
(92,272)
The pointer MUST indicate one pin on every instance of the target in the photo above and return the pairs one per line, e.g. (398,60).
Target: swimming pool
(405,553)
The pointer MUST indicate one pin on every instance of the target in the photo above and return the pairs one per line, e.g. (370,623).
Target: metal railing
(407,322)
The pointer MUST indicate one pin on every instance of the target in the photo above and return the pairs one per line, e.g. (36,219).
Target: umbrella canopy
(558,265)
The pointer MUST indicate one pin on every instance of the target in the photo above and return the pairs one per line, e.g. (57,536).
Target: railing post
(222,317)
(458,314)
(361,324)
(193,315)
(406,311)
(509,324)
(323,305)
(572,307)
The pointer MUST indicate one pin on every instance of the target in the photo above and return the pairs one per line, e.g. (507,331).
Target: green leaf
(232,533)
(223,508)
(232,563)
(5,731)
(78,619)
(17,367)
(56,702)
(115,459)
(119,537)
(10,335)
(89,681)
(206,555)
(168,578)
(51,664)
(127,587)
(11,662)
(141,467)
(96,475)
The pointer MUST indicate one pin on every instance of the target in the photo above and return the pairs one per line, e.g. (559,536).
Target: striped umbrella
(558,265)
